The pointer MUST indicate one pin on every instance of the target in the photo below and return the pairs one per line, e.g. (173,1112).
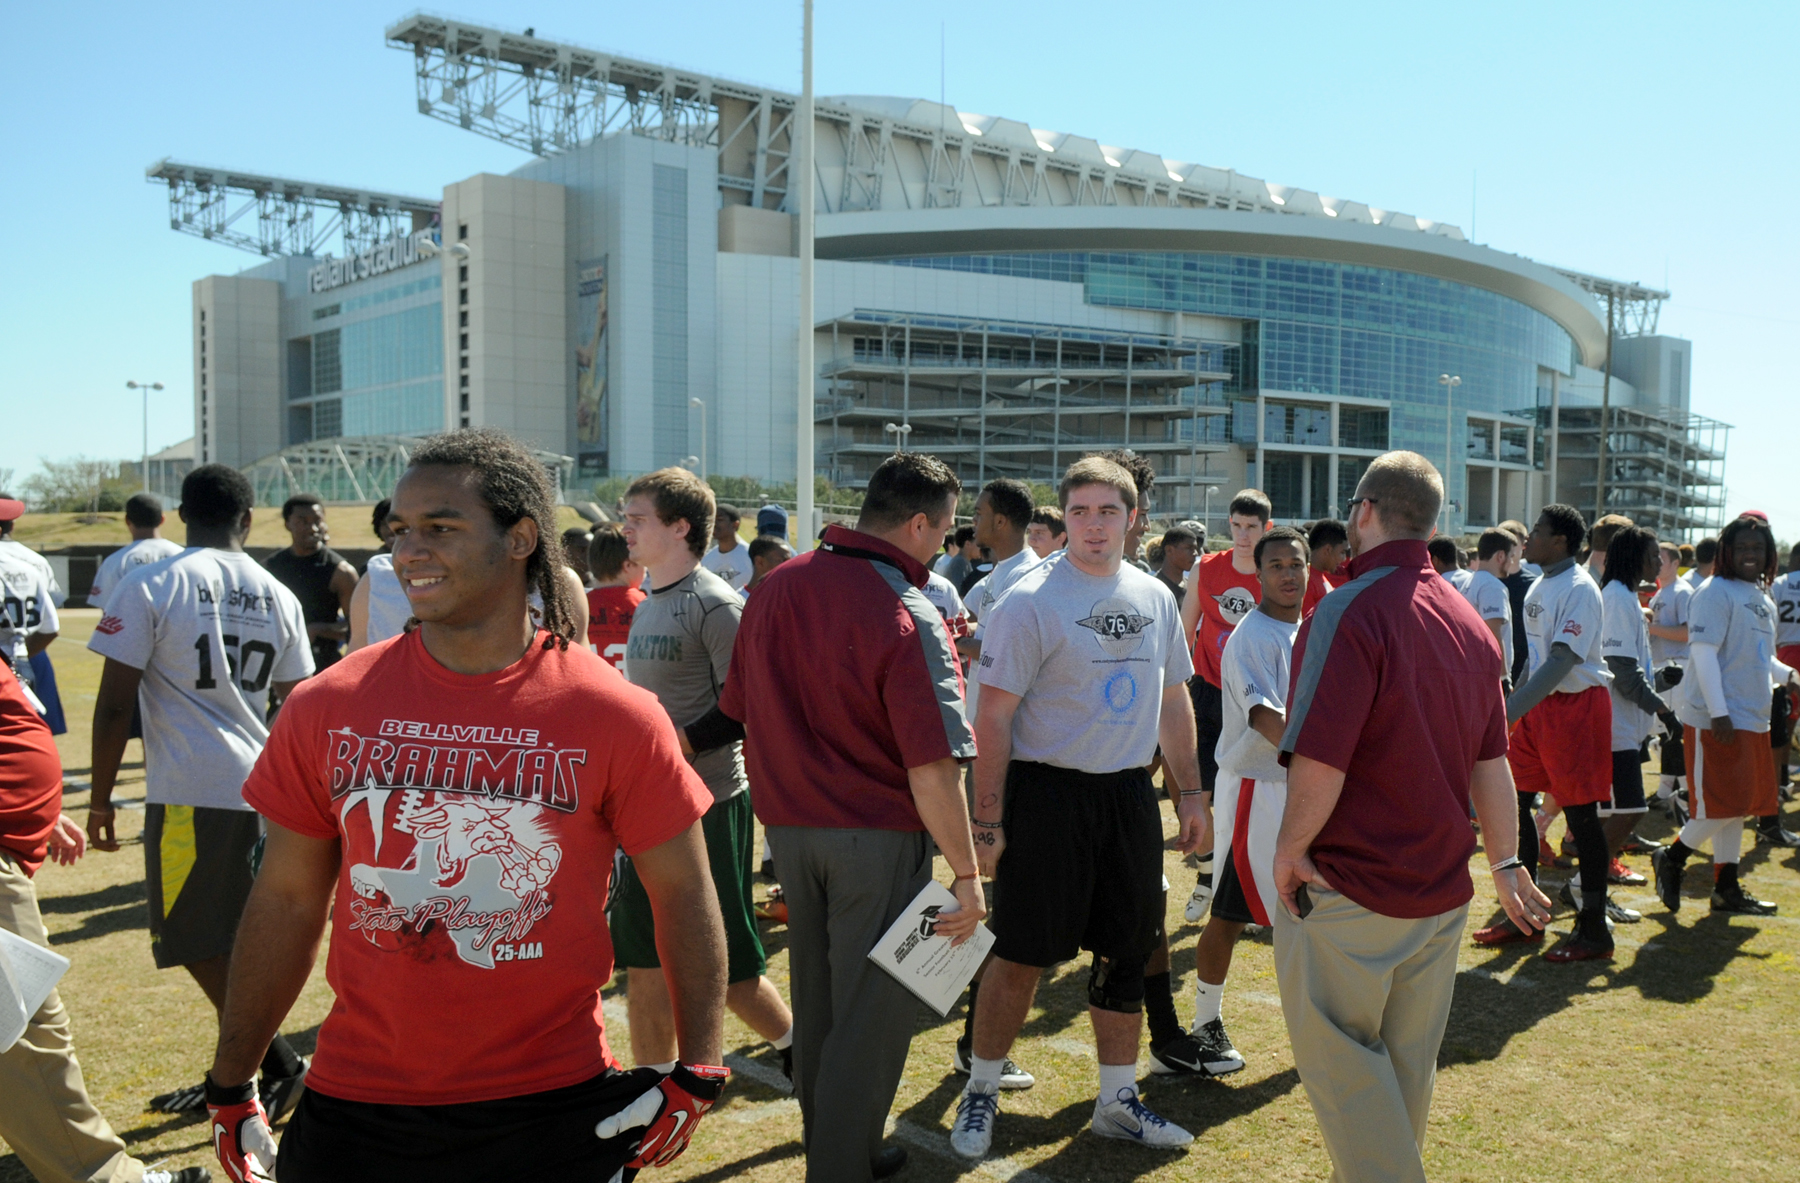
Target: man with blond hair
(1395,726)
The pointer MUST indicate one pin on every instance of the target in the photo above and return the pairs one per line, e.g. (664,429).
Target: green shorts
(729,828)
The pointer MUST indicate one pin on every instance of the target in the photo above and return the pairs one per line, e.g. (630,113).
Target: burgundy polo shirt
(843,677)
(1396,683)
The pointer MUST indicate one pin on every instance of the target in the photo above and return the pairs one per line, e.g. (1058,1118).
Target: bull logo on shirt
(1117,625)
(1235,603)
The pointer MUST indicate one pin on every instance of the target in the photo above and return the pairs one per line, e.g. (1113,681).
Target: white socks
(665,1069)
(1727,834)
(986,1073)
(1207,999)
(1114,1077)
(786,1041)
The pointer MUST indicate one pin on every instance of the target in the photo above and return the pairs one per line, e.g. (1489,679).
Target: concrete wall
(517,311)
(237,368)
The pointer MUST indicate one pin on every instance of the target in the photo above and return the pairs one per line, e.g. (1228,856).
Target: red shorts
(1563,747)
(1789,655)
(1735,780)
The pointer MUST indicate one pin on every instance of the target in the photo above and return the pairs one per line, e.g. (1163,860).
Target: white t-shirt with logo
(1090,657)
(1564,608)
(1739,620)
(1459,578)
(1670,606)
(26,607)
(19,552)
(1491,601)
(732,566)
(1622,634)
(140,553)
(1254,671)
(1785,591)
(211,630)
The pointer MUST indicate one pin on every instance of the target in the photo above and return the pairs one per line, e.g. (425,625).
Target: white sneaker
(1127,1117)
(973,1134)
(1197,903)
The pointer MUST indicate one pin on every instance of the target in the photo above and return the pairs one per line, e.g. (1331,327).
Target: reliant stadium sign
(400,251)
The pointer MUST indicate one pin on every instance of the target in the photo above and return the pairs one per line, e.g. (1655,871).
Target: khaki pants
(1366,999)
(46,1116)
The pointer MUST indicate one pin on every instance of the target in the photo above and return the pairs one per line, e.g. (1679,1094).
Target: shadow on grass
(1679,964)
(119,895)
(732,1170)
(101,924)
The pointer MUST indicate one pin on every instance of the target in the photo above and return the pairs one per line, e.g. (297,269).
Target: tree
(76,484)
(6,481)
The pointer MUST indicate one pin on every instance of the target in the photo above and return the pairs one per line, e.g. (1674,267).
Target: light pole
(700,405)
(146,387)
(1206,513)
(1449,382)
(901,431)
(801,177)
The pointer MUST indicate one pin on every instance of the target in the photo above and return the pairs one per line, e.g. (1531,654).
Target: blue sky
(1644,141)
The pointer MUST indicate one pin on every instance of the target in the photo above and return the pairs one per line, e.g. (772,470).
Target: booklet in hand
(925,963)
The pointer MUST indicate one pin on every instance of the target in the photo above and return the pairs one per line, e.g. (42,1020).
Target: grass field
(350,527)
(1675,1062)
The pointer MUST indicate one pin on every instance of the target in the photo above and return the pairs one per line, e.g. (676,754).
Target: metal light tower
(146,387)
(1449,382)
(802,178)
(901,431)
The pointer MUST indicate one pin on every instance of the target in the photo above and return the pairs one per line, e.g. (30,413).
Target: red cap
(1758,514)
(10,510)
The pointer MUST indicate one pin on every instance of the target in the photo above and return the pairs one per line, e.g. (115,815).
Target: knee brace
(1117,983)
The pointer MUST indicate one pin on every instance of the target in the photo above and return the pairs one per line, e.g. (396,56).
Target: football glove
(240,1132)
(668,1112)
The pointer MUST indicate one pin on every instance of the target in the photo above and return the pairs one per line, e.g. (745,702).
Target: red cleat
(1622,875)
(1505,932)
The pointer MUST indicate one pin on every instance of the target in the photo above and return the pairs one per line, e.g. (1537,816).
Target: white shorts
(1246,821)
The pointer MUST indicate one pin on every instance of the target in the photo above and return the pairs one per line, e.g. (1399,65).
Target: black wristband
(218,1094)
(695,1085)
(713,730)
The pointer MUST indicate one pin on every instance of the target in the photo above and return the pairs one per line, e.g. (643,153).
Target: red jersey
(610,610)
(478,816)
(1227,595)
(1318,586)
(30,776)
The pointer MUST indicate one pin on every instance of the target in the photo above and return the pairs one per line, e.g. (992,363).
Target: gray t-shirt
(1090,658)
(680,651)
(1739,619)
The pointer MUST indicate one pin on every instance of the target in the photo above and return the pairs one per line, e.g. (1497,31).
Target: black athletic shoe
(183,1100)
(1011,1075)
(1735,899)
(889,1161)
(281,1093)
(1770,830)
(1667,874)
(1638,844)
(1207,1052)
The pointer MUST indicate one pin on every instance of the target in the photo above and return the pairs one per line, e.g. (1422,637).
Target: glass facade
(669,315)
(384,374)
(1329,329)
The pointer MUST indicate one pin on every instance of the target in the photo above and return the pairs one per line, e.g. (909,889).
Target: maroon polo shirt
(30,777)
(843,677)
(1396,683)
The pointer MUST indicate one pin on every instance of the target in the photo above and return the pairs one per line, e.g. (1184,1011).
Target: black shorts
(1228,902)
(548,1135)
(1082,867)
(1627,784)
(1209,720)
(1674,754)
(1781,729)
(198,872)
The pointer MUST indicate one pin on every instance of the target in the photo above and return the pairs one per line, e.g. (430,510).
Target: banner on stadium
(591,356)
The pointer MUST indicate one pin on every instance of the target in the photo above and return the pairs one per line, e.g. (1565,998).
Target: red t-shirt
(1396,683)
(1227,595)
(478,816)
(1318,586)
(30,776)
(609,620)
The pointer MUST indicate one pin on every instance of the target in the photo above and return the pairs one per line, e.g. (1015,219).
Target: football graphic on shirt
(1235,603)
(1117,625)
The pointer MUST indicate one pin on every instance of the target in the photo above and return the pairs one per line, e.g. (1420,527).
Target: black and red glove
(240,1132)
(669,1113)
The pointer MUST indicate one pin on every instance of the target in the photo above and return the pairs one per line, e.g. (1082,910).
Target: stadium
(1002,295)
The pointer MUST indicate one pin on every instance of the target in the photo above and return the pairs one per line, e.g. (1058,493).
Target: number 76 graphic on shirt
(262,649)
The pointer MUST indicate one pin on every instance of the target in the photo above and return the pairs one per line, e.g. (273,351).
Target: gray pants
(853,1023)
(1366,999)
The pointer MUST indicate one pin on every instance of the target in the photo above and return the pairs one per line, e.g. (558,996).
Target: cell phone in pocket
(1303,904)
